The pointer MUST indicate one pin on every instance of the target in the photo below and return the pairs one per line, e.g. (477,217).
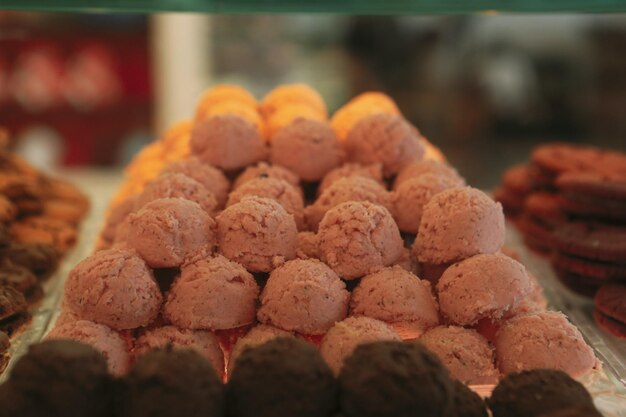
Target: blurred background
(90,90)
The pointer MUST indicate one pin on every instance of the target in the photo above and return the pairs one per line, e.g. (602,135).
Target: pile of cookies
(262,220)
(569,202)
(39,217)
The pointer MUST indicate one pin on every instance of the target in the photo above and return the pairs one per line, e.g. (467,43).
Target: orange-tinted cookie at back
(222,93)
(290,95)
(361,106)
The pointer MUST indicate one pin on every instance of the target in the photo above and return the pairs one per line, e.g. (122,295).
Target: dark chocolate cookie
(593,208)
(593,184)
(557,158)
(591,241)
(592,269)
(610,312)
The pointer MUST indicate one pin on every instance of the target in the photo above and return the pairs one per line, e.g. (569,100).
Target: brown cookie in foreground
(610,312)
(591,241)
(45,231)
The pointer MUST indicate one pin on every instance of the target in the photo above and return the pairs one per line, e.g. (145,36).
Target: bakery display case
(332,200)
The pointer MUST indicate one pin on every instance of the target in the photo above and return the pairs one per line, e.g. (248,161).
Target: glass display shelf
(377,7)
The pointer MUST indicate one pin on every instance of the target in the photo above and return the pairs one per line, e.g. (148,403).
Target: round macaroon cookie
(341,339)
(428,166)
(358,238)
(397,297)
(276,189)
(482,287)
(307,147)
(543,340)
(344,190)
(114,287)
(384,138)
(307,246)
(228,142)
(256,336)
(265,170)
(210,177)
(177,185)
(289,95)
(202,341)
(361,106)
(167,231)
(212,293)
(257,233)
(459,223)
(105,340)
(305,296)
(409,199)
(468,356)
(372,171)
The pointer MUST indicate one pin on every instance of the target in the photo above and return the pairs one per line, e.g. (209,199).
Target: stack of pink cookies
(275,221)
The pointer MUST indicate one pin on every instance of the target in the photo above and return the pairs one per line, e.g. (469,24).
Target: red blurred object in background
(87,80)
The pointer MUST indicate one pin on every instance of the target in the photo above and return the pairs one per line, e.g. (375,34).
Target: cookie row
(283,377)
